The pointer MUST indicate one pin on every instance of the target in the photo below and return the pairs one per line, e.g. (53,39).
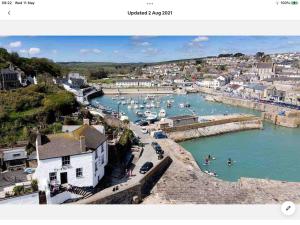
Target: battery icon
(294,2)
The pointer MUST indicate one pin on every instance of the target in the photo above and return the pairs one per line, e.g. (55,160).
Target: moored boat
(162,113)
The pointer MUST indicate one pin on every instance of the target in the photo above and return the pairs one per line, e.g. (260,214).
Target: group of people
(209,158)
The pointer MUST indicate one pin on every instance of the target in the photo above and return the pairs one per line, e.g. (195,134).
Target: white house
(134,83)
(74,159)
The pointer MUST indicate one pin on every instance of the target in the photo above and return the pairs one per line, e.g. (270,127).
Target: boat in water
(181,105)
(148,106)
(142,106)
(129,106)
(152,116)
(162,113)
(136,106)
(139,113)
(147,113)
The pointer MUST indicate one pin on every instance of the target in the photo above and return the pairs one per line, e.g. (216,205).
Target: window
(102,148)
(96,154)
(96,167)
(52,176)
(16,154)
(78,172)
(66,160)
(102,159)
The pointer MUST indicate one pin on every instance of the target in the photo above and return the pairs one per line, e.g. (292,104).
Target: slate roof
(67,144)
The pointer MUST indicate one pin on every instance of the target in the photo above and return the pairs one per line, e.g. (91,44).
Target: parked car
(158,150)
(29,170)
(144,130)
(154,144)
(143,123)
(146,167)
(137,122)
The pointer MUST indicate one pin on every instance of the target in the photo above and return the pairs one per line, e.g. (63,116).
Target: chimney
(38,139)
(82,143)
(86,122)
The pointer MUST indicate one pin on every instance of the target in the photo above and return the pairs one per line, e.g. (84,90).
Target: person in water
(229,162)
(206,161)
(209,157)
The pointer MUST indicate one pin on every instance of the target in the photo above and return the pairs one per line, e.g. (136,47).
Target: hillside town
(104,156)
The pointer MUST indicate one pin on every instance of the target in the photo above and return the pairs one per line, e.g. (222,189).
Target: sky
(126,49)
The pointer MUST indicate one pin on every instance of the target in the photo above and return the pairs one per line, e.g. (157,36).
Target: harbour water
(272,153)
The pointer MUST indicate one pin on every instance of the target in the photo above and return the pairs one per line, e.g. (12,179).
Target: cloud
(54,51)
(31,51)
(88,51)
(200,39)
(34,51)
(144,44)
(150,51)
(96,51)
(23,51)
(15,44)
(116,52)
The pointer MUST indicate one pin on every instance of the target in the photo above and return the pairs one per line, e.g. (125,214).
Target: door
(64,178)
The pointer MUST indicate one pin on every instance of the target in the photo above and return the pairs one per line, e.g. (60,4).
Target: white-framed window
(79,172)
(53,176)
(102,159)
(65,160)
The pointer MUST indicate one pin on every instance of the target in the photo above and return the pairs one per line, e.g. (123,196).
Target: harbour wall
(217,124)
(117,91)
(182,135)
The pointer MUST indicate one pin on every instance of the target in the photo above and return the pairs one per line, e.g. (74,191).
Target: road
(149,153)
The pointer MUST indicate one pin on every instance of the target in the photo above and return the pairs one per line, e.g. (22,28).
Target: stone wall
(240,118)
(215,130)
(132,191)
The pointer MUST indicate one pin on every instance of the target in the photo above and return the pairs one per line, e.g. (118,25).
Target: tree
(259,55)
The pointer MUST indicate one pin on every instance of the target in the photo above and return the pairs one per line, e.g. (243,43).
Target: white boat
(147,113)
(129,106)
(122,98)
(142,106)
(132,102)
(136,106)
(181,105)
(148,106)
(122,118)
(162,113)
(139,113)
(123,103)
(152,105)
(152,116)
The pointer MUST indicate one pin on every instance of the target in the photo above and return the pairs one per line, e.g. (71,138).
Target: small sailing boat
(162,113)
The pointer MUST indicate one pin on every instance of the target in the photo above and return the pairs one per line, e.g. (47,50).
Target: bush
(34,185)
(18,190)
